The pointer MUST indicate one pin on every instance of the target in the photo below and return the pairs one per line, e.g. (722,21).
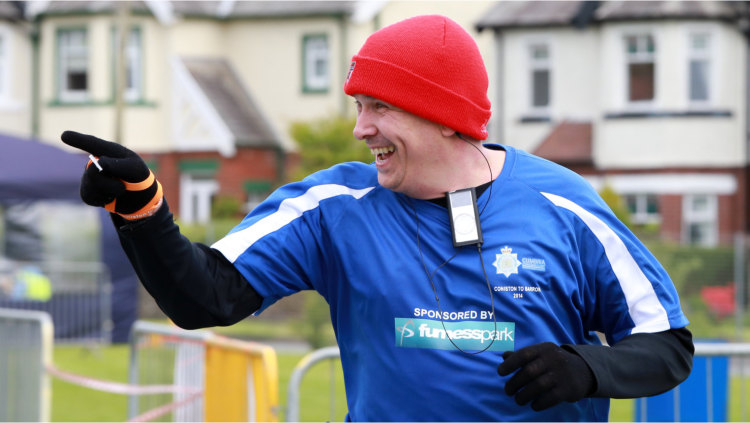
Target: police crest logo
(351,69)
(506,263)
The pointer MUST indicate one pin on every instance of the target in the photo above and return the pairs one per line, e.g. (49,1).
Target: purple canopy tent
(32,171)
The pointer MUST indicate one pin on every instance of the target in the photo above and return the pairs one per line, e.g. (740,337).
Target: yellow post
(241,381)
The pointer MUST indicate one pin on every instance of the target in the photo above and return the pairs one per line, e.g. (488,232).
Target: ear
(447,132)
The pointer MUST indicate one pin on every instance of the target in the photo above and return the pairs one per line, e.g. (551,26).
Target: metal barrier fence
(77,295)
(295,382)
(706,394)
(216,378)
(738,355)
(25,352)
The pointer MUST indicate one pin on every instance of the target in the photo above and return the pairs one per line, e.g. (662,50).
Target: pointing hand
(119,179)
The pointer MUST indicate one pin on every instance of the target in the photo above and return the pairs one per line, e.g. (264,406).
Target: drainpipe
(746,225)
(35,78)
(498,114)
(343,63)
(280,165)
(121,67)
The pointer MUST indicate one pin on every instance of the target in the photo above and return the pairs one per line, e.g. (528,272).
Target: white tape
(95,161)
(117,387)
(164,409)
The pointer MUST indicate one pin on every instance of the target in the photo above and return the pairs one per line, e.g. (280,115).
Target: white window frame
(709,55)
(196,195)
(133,63)
(639,57)
(134,60)
(709,216)
(534,64)
(316,48)
(66,53)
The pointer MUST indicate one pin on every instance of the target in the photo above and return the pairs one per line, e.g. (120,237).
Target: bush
(616,203)
(692,268)
(226,207)
(210,232)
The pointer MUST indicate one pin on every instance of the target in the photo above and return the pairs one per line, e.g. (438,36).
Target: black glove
(124,185)
(547,375)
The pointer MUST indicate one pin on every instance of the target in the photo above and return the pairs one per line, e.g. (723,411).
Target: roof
(507,14)
(214,9)
(637,10)
(253,9)
(92,6)
(569,143)
(232,102)
(11,10)
(519,14)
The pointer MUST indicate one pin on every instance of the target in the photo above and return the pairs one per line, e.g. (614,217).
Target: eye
(380,106)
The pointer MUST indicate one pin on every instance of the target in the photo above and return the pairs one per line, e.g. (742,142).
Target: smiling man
(417,157)
(466,281)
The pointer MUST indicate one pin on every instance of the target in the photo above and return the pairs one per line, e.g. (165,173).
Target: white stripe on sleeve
(234,244)
(647,312)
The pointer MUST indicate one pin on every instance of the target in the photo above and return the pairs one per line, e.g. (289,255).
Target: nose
(365,126)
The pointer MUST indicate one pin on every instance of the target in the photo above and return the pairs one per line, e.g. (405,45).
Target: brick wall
(231,172)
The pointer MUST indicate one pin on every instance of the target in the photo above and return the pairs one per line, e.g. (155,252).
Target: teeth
(382,150)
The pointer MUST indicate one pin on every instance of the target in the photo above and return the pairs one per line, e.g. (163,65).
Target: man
(482,304)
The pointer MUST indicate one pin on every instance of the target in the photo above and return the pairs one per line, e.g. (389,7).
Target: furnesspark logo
(467,335)
(405,331)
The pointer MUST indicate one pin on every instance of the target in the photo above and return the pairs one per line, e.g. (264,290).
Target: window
(640,54)
(699,67)
(196,194)
(73,65)
(3,66)
(643,208)
(539,60)
(315,63)
(133,64)
(700,213)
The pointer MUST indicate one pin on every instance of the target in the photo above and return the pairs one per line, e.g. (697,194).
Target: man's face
(409,150)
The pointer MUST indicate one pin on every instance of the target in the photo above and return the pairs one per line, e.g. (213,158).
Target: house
(649,98)
(208,89)
(192,73)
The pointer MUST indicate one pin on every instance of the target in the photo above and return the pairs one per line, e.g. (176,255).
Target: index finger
(508,366)
(94,145)
(513,361)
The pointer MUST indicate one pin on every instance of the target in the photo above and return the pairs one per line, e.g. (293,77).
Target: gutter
(35,52)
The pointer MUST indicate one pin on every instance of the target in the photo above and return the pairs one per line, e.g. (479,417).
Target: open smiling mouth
(383,153)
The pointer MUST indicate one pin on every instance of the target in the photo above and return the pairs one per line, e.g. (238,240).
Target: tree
(326,142)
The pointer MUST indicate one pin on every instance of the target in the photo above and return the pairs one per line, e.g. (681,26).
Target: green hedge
(692,268)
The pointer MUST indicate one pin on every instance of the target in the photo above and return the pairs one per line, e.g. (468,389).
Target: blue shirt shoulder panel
(622,265)
(286,232)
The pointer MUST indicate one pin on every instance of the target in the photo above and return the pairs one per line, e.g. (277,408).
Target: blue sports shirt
(556,265)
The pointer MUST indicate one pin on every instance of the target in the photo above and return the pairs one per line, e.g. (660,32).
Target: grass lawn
(72,403)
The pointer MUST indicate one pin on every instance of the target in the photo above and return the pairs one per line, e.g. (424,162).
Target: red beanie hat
(429,66)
